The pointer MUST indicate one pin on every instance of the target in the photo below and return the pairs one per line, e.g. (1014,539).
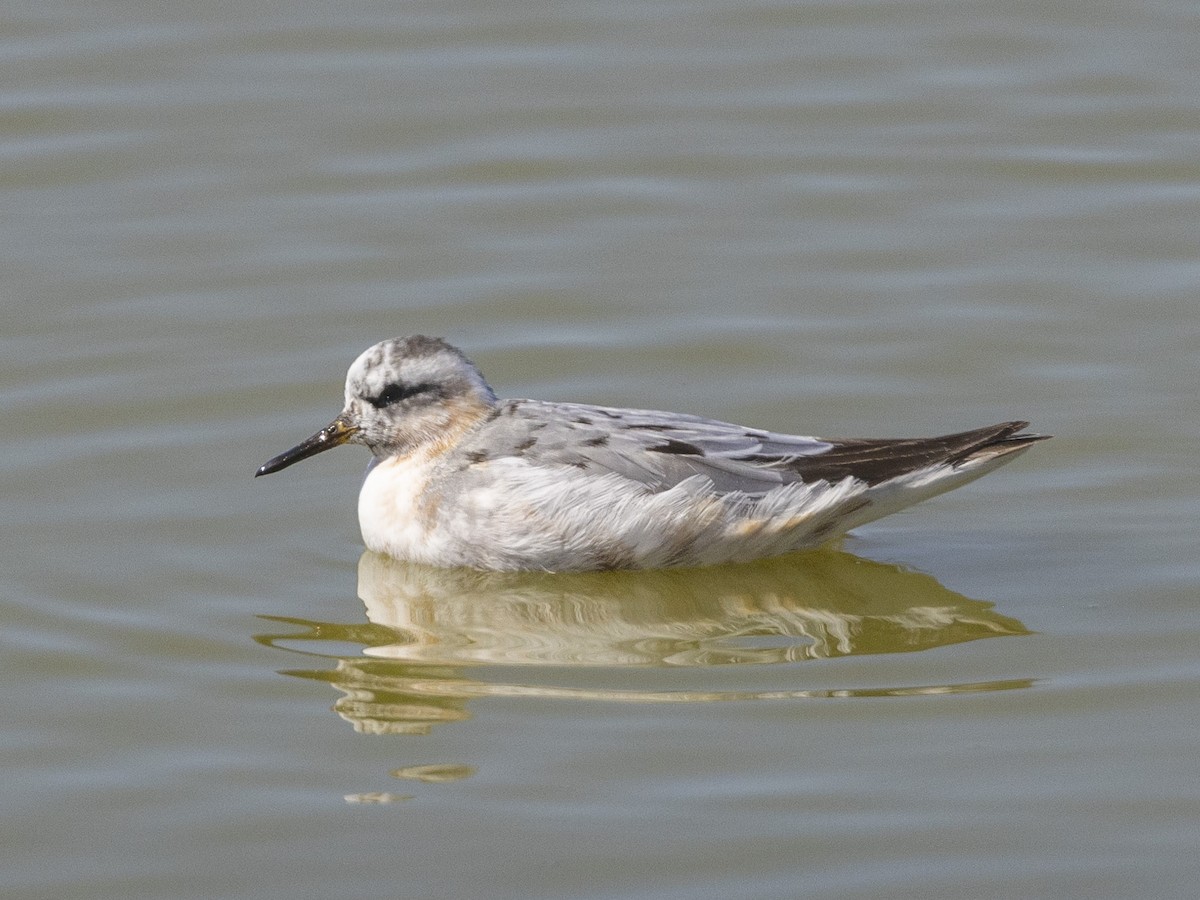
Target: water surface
(864,219)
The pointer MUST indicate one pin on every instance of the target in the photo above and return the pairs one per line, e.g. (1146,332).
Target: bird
(461,478)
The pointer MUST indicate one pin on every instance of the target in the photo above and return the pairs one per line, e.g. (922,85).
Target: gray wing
(660,449)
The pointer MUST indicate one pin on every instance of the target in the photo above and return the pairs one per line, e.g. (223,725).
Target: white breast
(395,512)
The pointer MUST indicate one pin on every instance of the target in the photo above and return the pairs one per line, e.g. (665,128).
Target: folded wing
(660,449)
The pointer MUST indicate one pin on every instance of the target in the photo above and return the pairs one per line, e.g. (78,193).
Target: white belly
(509,514)
(398,515)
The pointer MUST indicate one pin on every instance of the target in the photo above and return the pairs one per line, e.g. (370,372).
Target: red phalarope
(461,478)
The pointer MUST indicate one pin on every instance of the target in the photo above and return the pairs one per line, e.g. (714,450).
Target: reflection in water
(434,773)
(407,670)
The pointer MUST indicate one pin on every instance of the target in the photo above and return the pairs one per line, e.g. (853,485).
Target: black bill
(336,433)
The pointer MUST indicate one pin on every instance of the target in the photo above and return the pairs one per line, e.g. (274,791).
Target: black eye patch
(394,393)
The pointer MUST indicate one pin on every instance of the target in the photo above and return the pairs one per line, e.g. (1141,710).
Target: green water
(868,219)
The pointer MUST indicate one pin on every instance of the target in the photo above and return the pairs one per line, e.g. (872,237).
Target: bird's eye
(394,393)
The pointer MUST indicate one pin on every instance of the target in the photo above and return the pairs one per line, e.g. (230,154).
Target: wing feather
(660,449)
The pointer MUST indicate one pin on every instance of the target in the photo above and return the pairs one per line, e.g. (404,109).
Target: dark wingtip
(1007,441)
(1011,434)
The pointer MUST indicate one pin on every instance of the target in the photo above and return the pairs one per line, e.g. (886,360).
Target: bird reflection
(419,661)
